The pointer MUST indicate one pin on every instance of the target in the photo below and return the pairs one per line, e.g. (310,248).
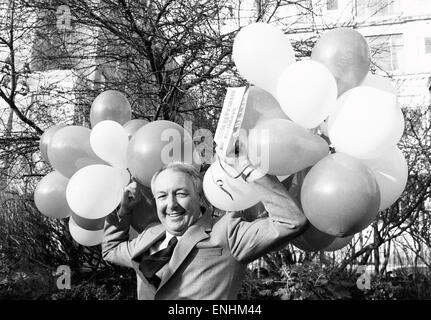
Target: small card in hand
(231,117)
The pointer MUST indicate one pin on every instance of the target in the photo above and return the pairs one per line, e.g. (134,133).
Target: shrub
(413,285)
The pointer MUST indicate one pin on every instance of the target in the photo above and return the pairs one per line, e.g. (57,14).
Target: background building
(398,33)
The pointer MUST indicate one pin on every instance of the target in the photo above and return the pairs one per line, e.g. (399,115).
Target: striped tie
(150,264)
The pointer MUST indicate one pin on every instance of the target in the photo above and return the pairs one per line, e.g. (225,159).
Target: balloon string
(220,183)
(225,171)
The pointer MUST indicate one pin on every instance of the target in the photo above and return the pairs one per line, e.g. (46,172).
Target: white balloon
(260,52)
(109,140)
(391,172)
(365,122)
(307,92)
(379,82)
(227,193)
(95,191)
(85,237)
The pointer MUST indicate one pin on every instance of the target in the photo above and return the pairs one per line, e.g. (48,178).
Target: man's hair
(186,168)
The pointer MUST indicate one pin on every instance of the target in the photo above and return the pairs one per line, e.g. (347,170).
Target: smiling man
(191,254)
(177,192)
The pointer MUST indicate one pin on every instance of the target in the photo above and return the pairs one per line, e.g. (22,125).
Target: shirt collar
(169,236)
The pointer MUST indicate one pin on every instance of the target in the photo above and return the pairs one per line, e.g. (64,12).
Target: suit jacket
(210,259)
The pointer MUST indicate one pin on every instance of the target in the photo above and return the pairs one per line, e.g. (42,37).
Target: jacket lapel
(148,238)
(191,237)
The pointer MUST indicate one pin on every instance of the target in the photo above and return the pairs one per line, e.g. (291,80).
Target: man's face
(177,201)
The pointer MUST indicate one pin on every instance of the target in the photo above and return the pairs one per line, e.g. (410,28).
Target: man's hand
(132,195)
(237,164)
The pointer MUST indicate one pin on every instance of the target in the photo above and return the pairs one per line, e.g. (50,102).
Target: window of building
(372,8)
(52,47)
(427,45)
(386,51)
(332,4)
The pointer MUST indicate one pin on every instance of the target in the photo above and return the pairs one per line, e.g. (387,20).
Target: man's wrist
(242,170)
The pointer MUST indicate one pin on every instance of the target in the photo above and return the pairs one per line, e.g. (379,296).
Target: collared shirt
(163,244)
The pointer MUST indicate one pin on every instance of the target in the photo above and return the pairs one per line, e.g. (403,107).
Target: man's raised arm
(285,221)
(116,247)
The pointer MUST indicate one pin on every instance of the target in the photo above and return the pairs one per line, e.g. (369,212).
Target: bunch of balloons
(92,167)
(296,108)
